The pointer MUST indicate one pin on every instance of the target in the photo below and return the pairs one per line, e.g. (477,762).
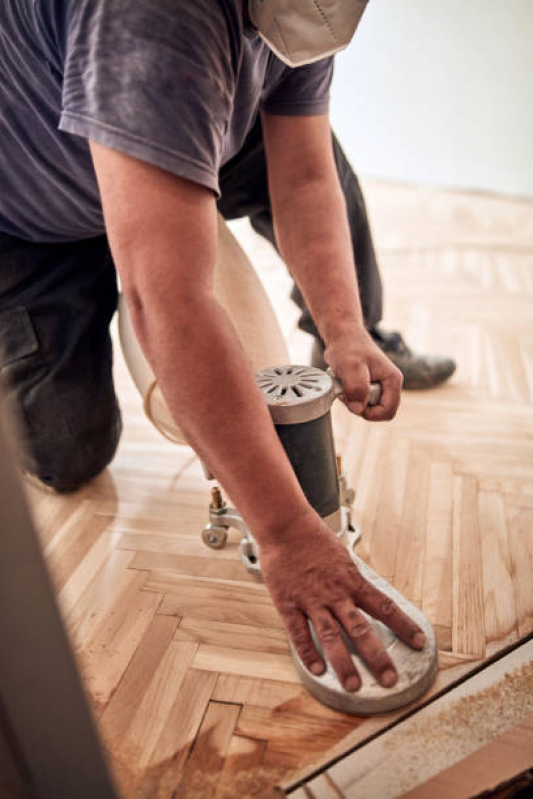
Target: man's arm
(162,232)
(314,239)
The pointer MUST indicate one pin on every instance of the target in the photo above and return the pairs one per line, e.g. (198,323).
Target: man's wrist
(290,530)
(343,330)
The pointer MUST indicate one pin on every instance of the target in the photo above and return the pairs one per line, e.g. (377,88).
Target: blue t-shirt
(176,83)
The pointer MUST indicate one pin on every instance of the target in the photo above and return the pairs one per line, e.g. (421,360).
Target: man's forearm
(207,382)
(313,234)
(310,220)
(314,239)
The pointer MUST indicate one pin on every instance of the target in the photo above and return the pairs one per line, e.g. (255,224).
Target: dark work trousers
(243,184)
(56,303)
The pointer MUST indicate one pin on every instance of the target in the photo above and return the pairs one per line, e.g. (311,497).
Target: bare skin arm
(163,235)
(162,231)
(314,238)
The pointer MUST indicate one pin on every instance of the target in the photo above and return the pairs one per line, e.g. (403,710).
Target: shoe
(419,371)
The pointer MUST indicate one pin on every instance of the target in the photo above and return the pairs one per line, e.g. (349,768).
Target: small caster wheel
(214,536)
(354,536)
(349,497)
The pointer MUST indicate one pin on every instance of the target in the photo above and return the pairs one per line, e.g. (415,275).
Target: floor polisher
(299,399)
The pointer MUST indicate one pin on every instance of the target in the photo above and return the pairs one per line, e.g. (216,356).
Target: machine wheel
(214,536)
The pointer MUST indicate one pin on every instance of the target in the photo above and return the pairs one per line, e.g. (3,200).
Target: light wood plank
(468,634)
(125,701)
(78,582)
(202,772)
(232,603)
(437,583)
(106,656)
(235,636)
(387,523)
(242,661)
(368,483)
(408,574)
(295,738)
(101,593)
(520,537)
(151,715)
(193,566)
(172,544)
(498,590)
(256,691)
(180,729)
(70,546)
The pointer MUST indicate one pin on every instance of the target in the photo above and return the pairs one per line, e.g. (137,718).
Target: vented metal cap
(296,394)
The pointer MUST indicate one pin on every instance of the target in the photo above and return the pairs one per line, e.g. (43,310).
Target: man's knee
(59,387)
(69,463)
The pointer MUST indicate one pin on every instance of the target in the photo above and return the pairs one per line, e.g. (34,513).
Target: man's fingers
(390,399)
(330,636)
(367,642)
(300,634)
(356,388)
(382,607)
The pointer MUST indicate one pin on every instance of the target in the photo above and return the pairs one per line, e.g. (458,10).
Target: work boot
(419,371)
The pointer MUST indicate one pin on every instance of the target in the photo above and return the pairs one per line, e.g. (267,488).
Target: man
(135,109)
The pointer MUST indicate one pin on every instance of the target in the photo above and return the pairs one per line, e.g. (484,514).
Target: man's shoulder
(194,14)
(113,23)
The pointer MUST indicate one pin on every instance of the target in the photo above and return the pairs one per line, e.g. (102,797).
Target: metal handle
(338,391)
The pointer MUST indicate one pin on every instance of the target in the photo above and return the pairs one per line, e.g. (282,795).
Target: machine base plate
(416,668)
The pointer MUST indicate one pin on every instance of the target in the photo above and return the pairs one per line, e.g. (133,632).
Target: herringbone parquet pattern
(183,655)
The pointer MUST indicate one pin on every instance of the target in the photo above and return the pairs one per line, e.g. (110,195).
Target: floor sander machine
(299,399)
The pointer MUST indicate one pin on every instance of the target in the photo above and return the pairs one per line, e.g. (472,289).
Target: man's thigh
(56,302)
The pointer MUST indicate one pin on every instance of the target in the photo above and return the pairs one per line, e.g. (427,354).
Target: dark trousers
(243,184)
(56,303)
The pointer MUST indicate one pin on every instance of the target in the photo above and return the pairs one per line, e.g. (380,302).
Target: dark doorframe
(49,744)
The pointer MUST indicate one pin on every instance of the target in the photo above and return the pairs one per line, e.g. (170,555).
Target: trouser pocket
(27,378)
(17,336)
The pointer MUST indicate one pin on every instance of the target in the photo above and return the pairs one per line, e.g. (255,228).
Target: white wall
(440,92)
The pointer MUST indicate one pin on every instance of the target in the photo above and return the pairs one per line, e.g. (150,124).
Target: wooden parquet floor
(183,655)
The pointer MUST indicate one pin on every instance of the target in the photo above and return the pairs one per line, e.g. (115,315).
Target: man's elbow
(152,304)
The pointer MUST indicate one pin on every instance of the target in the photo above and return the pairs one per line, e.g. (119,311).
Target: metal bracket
(350,535)
(222,517)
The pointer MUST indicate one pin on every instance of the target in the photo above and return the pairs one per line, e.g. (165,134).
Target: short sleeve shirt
(176,83)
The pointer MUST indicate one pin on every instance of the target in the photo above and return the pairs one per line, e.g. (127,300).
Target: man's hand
(314,239)
(313,577)
(357,361)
